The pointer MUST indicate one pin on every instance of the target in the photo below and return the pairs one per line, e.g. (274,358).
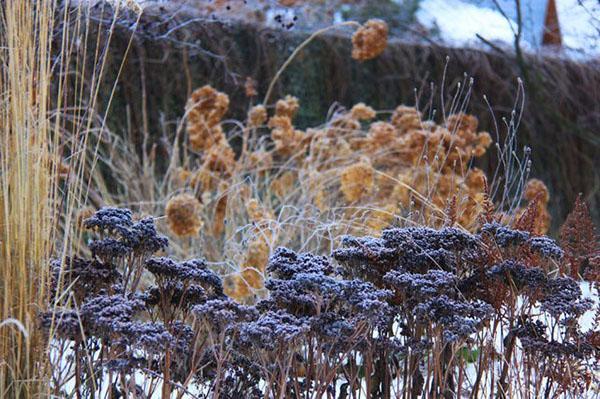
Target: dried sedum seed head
(183,215)
(370,40)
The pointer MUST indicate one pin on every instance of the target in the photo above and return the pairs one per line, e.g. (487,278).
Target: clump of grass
(28,170)
(46,98)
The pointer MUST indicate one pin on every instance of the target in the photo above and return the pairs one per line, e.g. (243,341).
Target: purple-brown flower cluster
(380,310)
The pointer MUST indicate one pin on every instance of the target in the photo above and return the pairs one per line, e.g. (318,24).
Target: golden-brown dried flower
(287,139)
(256,212)
(535,187)
(220,210)
(284,183)
(370,40)
(475,180)
(259,160)
(205,109)
(287,107)
(257,116)
(183,215)
(362,112)
(357,181)
(462,121)
(250,87)
(406,118)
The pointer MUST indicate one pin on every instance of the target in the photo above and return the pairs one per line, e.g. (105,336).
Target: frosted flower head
(257,116)
(370,40)
(86,277)
(285,264)
(110,220)
(223,314)
(66,323)
(194,270)
(273,329)
(546,247)
(505,236)
(144,239)
(419,286)
(517,275)
(176,294)
(109,248)
(563,298)
(105,315)
(183,215)
(459,319)
(357,181)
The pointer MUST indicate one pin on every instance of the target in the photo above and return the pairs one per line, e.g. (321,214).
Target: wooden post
(551,35)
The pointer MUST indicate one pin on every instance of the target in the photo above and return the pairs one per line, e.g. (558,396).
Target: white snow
(580,25)
(459,22)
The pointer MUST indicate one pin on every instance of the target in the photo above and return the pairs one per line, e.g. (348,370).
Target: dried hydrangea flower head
(250,87)
(370,40)
(206,107)
(284,183)
(257,116)
(362,112)
(183,215)
(220,209)
(287,139)
(256,257)
(287,106)
(357,181)
(219,164)
(406,118)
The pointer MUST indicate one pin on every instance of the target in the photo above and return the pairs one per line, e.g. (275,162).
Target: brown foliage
(579,240)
